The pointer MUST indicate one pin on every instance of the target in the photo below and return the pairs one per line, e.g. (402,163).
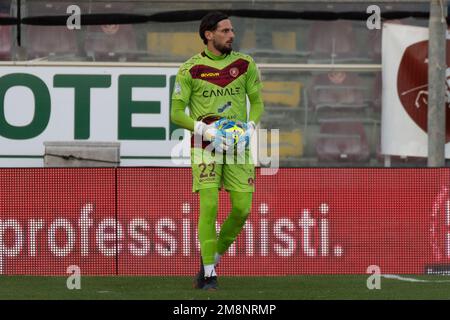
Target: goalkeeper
(214,85)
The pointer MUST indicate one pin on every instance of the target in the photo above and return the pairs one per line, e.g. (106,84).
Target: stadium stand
(279,44)
(342,142)
(374,41)
(289,146)
(283,111)
(50,42)
(374,45)
(5,40)
(290,104)
(177,45)
(337,95)
(333,42)
(111,43)
(282,93)
(376,93)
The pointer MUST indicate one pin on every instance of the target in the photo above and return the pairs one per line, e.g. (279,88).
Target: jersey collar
(212,56)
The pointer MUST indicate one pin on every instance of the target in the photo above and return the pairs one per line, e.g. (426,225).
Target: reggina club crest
(412,85)
(234,72)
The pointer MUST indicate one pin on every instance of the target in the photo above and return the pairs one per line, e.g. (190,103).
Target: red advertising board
(143,221)
(51,219)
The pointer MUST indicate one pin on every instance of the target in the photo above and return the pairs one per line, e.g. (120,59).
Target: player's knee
(207,221)
(209,208)
(241,210)
(208,213)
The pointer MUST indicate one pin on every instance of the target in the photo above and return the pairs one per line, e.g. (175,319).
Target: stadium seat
(342,142)
(111,42)
(114,42)
(333,41)
(337,95)
(284,41)
(282,93)
(290,144)
(281,44)
(5,40)
(53,41)
(181,45)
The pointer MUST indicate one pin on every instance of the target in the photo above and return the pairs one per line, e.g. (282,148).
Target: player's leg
(238,179)
(241,203)
(207,227)
(207,174)
(207,236)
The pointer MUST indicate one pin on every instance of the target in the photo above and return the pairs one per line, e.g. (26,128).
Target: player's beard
(221,48)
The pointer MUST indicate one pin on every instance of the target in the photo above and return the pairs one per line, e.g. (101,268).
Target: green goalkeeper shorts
(232,172)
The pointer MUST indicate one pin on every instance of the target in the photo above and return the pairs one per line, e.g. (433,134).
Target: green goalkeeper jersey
(212,85)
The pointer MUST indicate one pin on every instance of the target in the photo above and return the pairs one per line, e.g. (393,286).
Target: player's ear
(209,35)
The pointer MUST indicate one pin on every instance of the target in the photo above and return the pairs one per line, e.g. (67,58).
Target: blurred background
(325,99)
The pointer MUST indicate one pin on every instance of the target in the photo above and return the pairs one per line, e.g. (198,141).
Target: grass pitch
(236,288)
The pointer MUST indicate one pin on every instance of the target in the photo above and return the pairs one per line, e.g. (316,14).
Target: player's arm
(180,98)
(256,111)
(179,117)
(253,89)
(256,106)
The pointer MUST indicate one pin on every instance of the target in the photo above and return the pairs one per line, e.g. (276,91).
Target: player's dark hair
(209,23)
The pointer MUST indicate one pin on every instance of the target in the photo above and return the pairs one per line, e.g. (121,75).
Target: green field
(237,288)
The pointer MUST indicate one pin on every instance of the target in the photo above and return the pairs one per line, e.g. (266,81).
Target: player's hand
(244,139)
(207,131)
(210,133)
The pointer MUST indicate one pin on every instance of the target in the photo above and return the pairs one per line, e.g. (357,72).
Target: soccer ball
(232,130)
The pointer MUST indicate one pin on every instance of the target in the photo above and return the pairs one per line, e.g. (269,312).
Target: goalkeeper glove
(210,133)
(244,139)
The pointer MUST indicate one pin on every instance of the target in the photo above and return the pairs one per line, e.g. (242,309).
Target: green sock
(207,236)
(241,203)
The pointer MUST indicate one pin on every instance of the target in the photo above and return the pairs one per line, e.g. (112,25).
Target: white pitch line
(397,277)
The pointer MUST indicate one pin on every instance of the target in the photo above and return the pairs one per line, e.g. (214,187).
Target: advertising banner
(405,91)
(52,219)
(130,105)
(143,221)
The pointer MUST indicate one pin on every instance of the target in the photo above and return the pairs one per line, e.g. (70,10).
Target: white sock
(210,271)
(217,258)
